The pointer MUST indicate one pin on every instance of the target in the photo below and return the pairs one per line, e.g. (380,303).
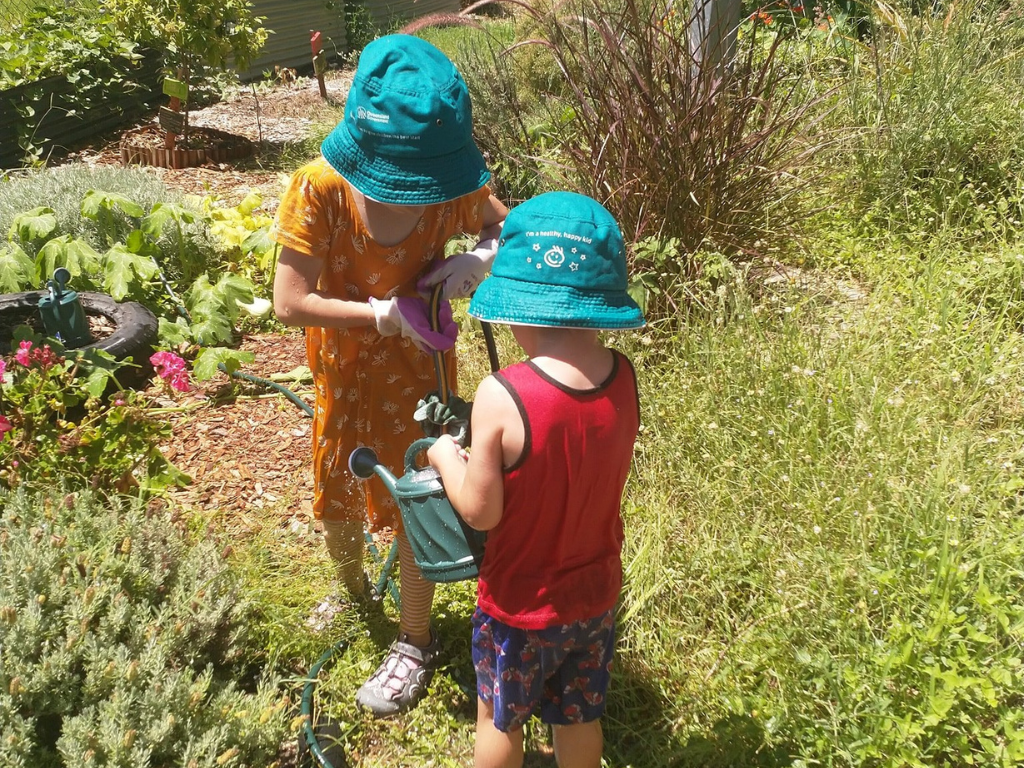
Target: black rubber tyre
(135,329)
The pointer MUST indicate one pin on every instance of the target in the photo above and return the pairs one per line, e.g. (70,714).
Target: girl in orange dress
(359,227)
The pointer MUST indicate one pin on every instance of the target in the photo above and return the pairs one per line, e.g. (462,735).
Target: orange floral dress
(367,385)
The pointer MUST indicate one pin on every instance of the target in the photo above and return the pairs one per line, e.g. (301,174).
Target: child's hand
(462,272)
(444,449)
(410,316)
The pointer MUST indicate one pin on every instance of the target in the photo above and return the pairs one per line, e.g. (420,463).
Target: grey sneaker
(401,679)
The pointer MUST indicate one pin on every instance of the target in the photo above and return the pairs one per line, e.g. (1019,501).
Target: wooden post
(711,33)
(319,62)
(170,138)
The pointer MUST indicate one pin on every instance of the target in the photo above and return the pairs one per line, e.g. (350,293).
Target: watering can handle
(414,450)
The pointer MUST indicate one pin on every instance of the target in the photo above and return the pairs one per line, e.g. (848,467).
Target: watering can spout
(363,463)
(445,548)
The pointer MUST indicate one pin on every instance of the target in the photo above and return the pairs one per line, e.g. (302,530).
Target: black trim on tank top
(527,438)
(636,386)
(570,390)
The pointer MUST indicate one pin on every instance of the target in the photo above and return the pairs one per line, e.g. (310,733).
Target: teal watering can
(445,547)
(62,313)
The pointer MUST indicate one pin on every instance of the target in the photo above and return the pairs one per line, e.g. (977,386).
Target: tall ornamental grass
(603,97)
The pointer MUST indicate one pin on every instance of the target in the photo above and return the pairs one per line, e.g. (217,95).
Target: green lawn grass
(823,541)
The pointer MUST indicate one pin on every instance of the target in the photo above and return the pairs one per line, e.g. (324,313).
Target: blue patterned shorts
(563,670)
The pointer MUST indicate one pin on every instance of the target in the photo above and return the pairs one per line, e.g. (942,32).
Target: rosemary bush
(123,642)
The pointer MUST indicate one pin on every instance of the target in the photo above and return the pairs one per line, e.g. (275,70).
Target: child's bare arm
(476,487)
(493,217)
(299,301)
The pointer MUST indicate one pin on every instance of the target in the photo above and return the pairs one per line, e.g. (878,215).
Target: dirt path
(272,116)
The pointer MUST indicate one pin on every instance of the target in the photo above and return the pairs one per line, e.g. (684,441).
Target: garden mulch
(246,447)
(271,116)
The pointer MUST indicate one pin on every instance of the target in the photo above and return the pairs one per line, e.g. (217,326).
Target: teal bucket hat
(407,134)
(561,262)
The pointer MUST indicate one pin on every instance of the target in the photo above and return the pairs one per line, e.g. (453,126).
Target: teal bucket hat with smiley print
(561,262)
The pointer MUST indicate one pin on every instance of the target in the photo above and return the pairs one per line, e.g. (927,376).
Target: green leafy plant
(124,642)
(186,244)
(132,267)
(197,36)
(60,425)
(85,49)
(244,234)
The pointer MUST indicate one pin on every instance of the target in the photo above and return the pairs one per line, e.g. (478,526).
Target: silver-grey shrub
(123,642)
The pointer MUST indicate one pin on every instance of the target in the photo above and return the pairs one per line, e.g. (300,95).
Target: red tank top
(555,556)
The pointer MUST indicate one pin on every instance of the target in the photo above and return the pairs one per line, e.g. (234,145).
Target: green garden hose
(307,704)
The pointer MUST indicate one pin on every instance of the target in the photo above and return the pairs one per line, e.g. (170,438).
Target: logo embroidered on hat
(407,134)
(561,262)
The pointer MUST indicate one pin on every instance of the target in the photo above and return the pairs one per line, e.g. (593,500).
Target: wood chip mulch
(246,447)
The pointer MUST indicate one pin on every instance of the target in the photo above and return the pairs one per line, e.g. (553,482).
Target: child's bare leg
(578,746)
(417,597)
(344,540)
(495,749)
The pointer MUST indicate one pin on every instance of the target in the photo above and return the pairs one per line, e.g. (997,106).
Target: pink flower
(21,356)
(119,402)
(3,367)
(172,369)
(45,357)
(179,381)
(5,426)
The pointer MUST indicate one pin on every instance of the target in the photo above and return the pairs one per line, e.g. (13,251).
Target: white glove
(410,316)
(461,273)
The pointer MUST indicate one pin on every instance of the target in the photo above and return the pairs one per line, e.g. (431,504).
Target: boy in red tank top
(552,445)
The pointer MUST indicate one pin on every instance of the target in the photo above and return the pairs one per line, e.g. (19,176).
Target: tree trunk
(711,34)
